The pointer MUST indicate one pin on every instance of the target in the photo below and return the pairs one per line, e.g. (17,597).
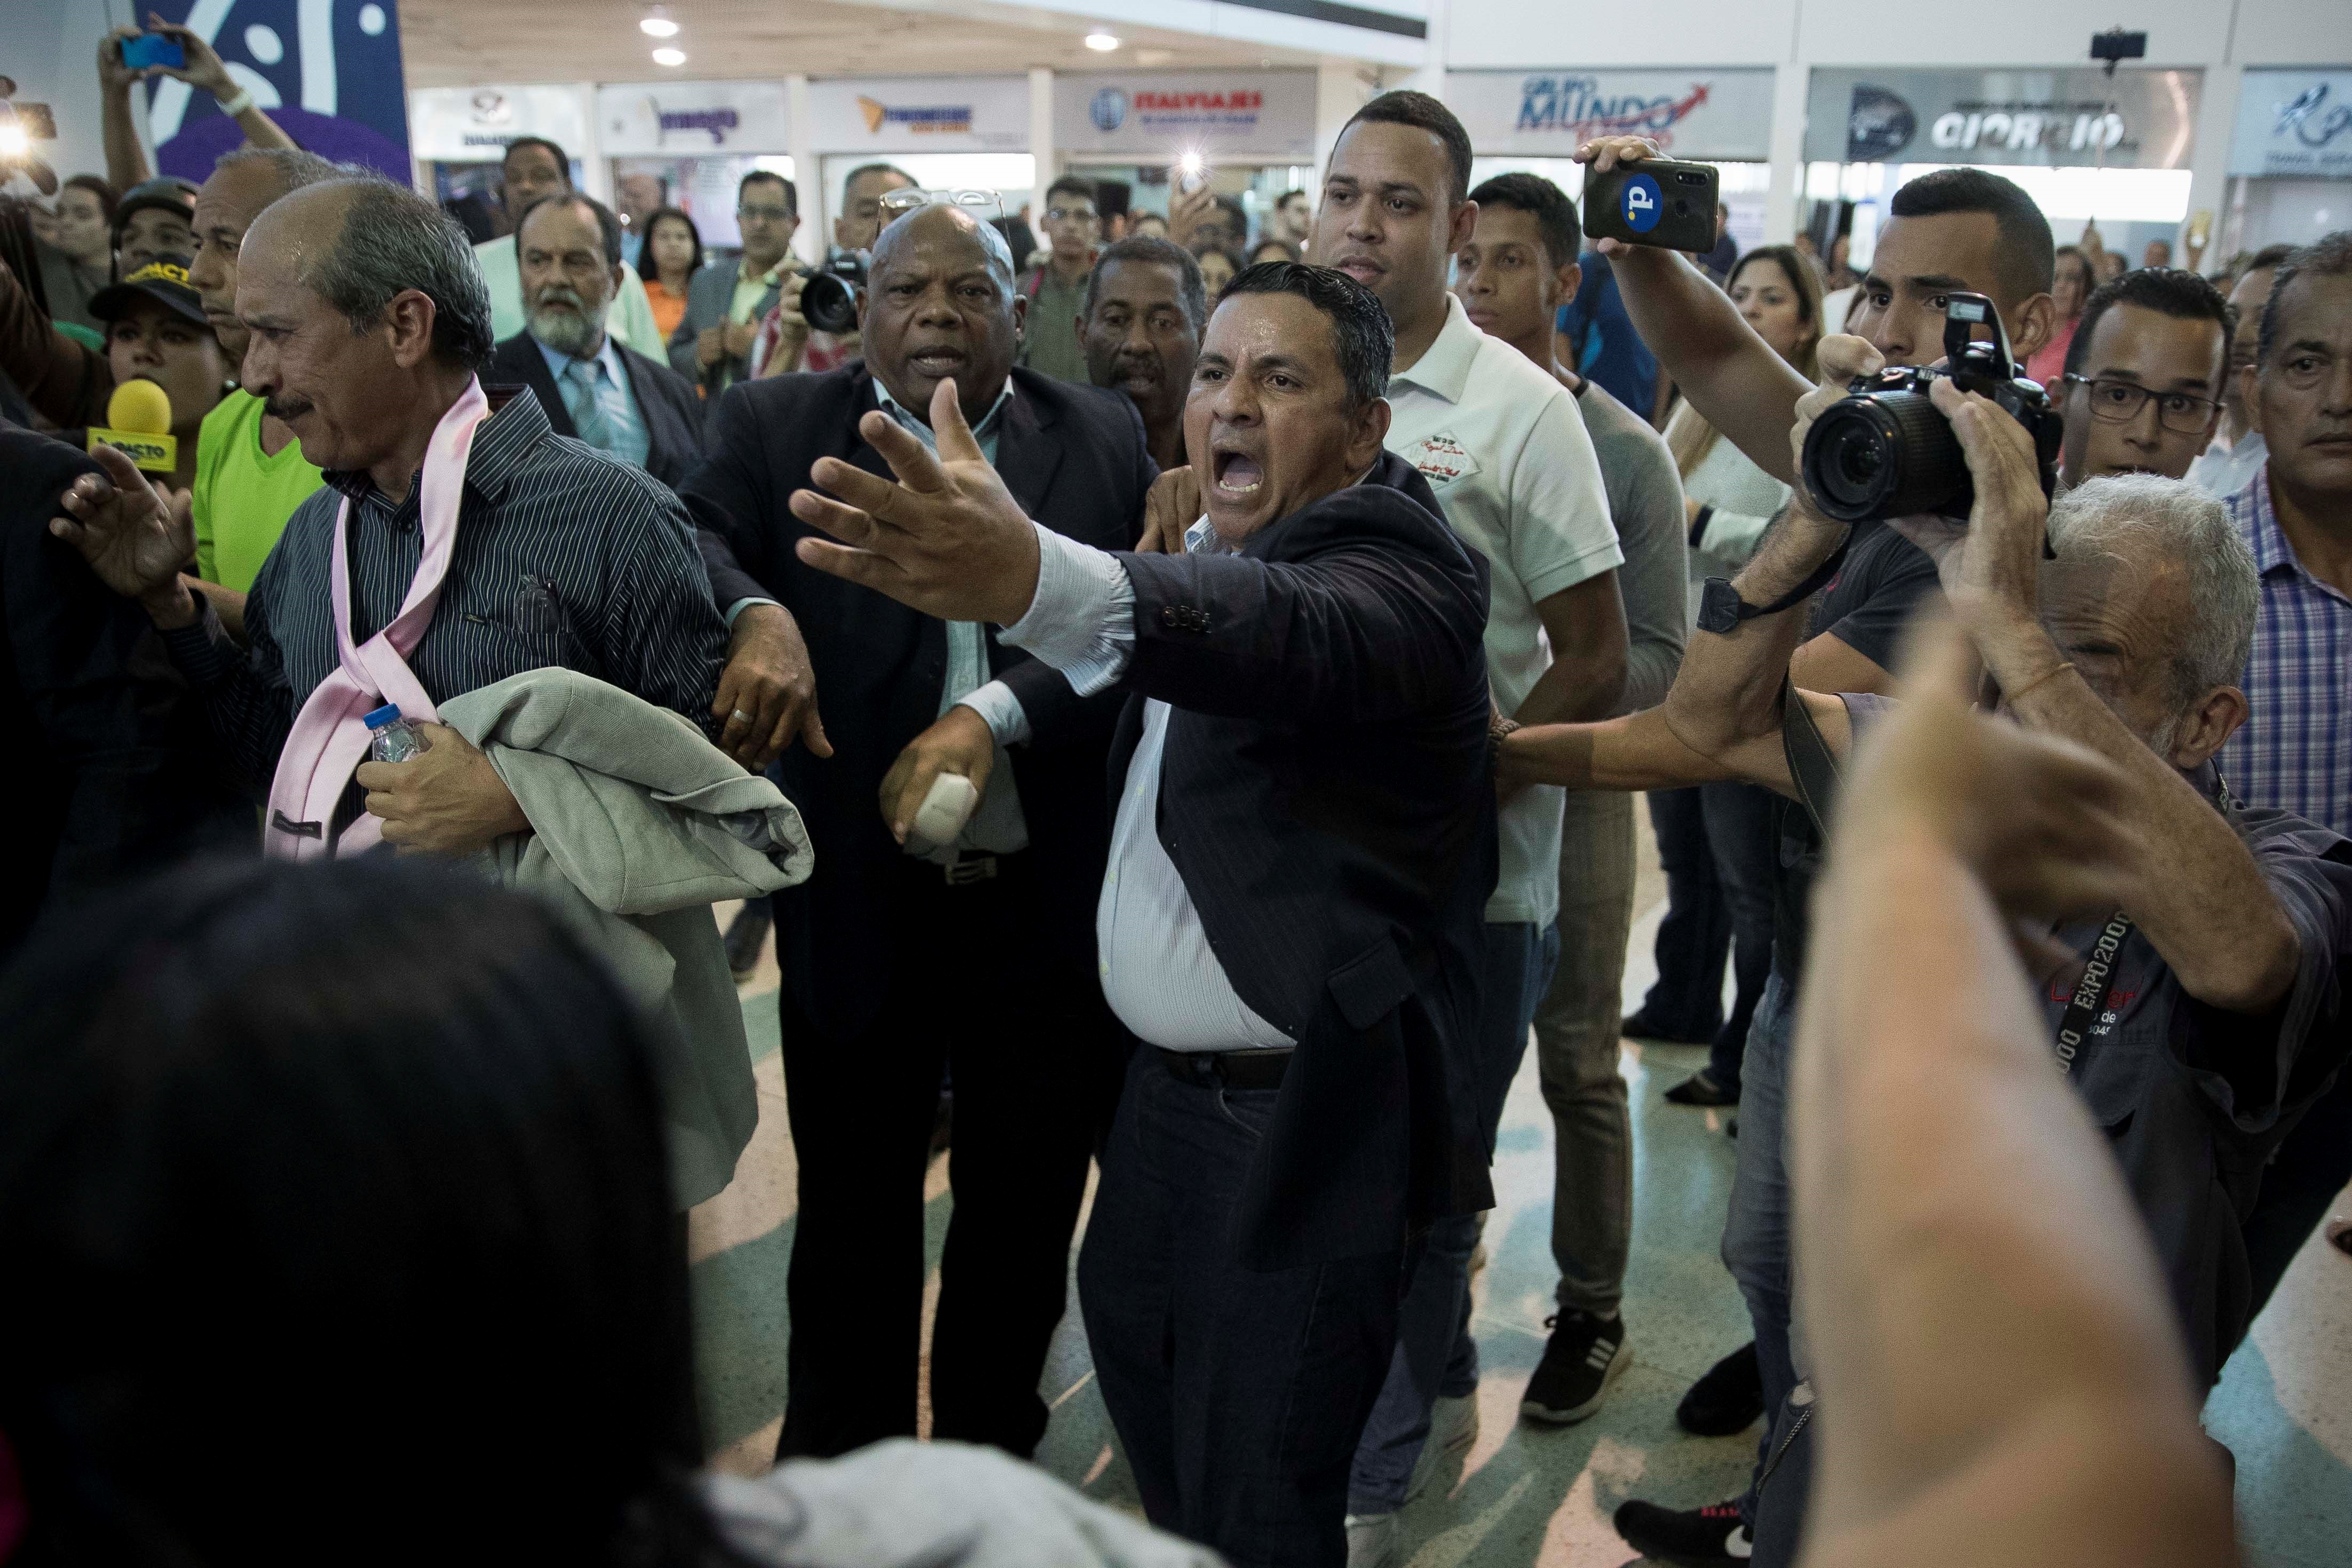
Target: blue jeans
(1237,1395)
(1686,1000)
(1757,1249)
(1747,847)
(1435,1353)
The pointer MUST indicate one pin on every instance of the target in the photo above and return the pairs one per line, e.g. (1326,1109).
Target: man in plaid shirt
(2296,751)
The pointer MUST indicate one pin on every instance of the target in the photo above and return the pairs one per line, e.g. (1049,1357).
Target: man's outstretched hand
(948,539)
(135,538)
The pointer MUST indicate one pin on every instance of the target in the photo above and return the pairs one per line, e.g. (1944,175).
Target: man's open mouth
(1237,474)
(936,362)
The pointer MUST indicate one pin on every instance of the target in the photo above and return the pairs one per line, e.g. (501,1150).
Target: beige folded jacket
(639,825)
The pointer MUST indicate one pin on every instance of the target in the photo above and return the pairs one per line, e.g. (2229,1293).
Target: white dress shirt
(1158,973)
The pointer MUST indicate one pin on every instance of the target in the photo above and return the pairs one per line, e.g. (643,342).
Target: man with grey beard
(594,387)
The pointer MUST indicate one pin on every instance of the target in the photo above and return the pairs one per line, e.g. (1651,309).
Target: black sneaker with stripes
(1690,1537)
(1586,1354)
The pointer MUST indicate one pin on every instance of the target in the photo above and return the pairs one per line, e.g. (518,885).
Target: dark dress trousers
(891,973)
(667,402)
(115,772)
(1325,797)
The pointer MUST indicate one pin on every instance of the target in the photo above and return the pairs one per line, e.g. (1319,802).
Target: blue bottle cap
(387,714)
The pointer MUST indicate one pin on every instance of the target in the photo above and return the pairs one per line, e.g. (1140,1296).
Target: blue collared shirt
(2294,753)
(614,423)
(1158,973)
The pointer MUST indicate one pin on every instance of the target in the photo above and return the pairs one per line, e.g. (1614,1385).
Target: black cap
(163,280)
(166,191)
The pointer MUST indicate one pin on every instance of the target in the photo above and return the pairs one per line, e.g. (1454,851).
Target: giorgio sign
(2137,120)
(1722,114)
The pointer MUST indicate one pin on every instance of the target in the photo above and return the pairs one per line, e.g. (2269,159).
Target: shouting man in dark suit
(901,957)
(1291,921)
(594,386)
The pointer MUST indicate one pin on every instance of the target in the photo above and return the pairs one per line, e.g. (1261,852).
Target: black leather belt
(1232,1070)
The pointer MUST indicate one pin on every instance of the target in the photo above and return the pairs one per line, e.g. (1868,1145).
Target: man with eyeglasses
(728,300)
(1057,290)
(2143,384)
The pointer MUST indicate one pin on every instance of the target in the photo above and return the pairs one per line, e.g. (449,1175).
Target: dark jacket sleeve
(1363,608)
(727,494)
(66,383)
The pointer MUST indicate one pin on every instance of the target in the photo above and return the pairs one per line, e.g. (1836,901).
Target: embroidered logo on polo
(1441,458)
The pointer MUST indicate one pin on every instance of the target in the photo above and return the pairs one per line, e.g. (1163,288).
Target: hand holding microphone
(138,425)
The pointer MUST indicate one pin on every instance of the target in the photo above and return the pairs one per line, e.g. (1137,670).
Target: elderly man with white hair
(2201,1018)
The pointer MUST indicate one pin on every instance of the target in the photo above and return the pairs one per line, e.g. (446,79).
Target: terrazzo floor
(1527,1495)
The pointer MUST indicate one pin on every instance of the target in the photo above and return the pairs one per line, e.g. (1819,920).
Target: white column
(2209,162)
(1041,129)
(596,173)
(815,236)
(1790,80)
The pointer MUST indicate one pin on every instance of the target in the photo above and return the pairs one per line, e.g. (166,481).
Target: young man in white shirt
(1503,446)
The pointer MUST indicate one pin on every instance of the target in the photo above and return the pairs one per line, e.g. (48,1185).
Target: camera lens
(1884,454)
(829,303)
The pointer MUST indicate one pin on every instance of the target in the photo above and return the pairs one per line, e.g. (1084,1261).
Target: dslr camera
(1883,450)
(829,298)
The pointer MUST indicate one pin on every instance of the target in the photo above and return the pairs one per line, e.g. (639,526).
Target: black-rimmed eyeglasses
(2120,402)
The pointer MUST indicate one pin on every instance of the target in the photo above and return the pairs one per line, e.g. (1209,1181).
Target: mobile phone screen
(153,49)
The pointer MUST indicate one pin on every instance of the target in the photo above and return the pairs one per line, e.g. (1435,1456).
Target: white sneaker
(1453,1427)
(1374,1541)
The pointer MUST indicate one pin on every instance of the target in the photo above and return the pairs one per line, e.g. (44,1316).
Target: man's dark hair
(2167,290)
(2028,260)
(1285,199)
(449,1203)
(792,191)
(606,222)
(1076,184)
(1422,112)
(2327,257)
(2269,256)
(393,240)
(562,159)
(1361,334)
(1555,215)
(1148,249)
(863,170)
(1236,216)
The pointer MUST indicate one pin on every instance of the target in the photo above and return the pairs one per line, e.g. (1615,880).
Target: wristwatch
(1721,609)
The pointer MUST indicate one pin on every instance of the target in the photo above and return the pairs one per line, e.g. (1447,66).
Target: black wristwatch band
(1705,515)
(1717,590)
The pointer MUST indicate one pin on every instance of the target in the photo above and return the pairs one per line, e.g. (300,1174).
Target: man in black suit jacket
(636,408)
(978,955)
(115,775)
(1292,917)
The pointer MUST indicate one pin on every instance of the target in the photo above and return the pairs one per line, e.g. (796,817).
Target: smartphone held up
(1656,202)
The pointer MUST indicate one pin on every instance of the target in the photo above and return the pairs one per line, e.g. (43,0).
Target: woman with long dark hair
(669,258)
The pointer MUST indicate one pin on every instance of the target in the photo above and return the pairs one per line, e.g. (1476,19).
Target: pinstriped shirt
(565,557)
(2294,754)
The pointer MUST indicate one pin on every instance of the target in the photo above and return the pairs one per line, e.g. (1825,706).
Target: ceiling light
(670,56)
(657,26)
(1102,42)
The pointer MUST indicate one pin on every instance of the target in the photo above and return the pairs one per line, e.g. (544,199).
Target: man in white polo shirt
(1503,446)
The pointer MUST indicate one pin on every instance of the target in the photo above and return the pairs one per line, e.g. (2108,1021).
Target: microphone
(138,425)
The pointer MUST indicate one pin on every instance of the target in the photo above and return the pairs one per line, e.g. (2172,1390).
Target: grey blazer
(707,295)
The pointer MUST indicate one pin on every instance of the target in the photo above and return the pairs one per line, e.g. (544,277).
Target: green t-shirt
(243,496)
(1049,337)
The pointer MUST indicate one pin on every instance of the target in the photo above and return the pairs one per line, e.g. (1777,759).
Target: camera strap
(1811,765)
(2083,1016)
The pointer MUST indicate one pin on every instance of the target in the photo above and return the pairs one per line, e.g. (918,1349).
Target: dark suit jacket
(1075,458)
(115,771)
(667,401)
(1326,795)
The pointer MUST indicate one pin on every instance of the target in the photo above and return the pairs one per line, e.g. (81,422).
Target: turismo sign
(982,114)
(2295,122)
(2136,120)
(1717,114)
(1158,116)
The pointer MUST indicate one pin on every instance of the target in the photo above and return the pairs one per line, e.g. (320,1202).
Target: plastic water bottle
(391,738)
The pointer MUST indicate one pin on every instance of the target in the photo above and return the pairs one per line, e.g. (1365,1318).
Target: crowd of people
(1301,613)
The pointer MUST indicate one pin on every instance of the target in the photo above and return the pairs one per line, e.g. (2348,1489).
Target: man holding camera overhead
(899,957)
